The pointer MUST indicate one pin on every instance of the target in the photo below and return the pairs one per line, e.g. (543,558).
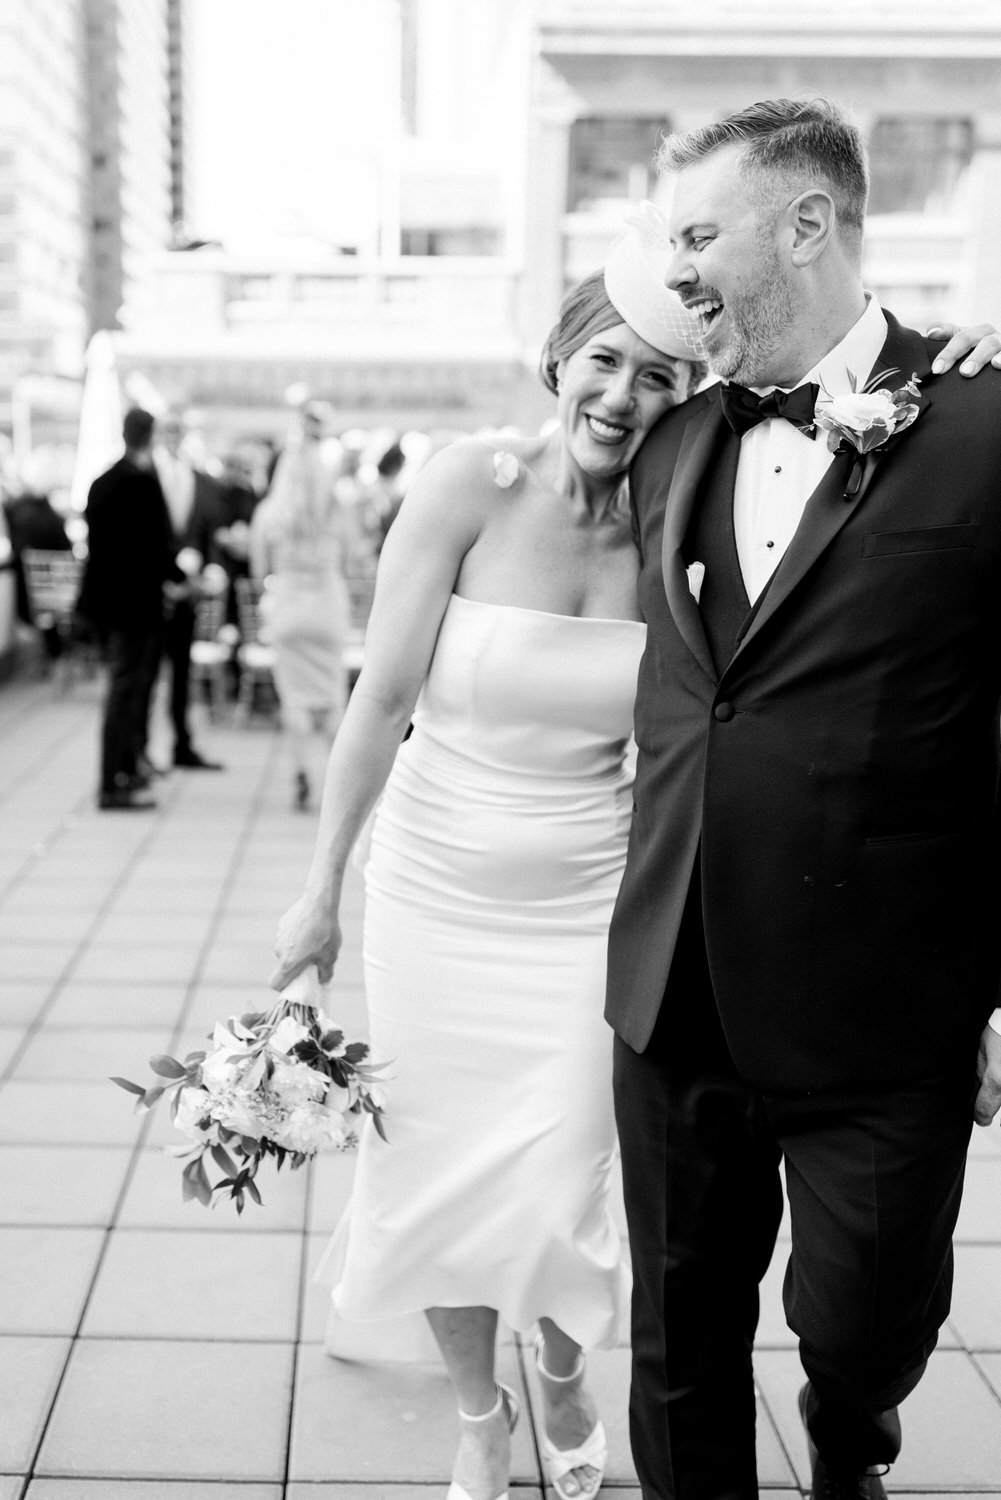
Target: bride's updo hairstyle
(584,311)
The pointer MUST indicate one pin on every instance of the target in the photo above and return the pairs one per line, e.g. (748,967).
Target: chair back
(52,580)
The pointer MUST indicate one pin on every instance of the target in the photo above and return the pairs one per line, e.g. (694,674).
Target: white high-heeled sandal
(507,1400)
(592,1452)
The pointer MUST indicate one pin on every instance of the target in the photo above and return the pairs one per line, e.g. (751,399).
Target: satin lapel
(694,455)
(828,509)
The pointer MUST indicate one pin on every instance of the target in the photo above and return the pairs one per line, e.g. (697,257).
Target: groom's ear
(810,222)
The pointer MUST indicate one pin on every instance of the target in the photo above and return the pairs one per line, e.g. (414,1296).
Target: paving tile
(22,1000)
(132,929)
(44,1277)
(11,1038)
(36,961)
(137,1410)
(32,927)
(154,1201)
(244,964)
(76,1185)
(11,1486)
(29,1373)
(165,964)
(129,1006)
(976,1296)
(383,1491)
(952,1436)
(414,1437)
(332,1175)
(990,1365)
(985,1142)
(94,1113)
(150,1489)
(88,1054)
(170,1284)
(980,1215)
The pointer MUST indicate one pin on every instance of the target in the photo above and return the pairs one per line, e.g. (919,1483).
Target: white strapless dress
(495,858)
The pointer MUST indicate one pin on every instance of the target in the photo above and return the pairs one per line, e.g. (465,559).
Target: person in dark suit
(34,523)
(130,563)
(803,961)
(190,494)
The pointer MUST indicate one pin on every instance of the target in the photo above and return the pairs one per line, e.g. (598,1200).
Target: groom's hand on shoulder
(989,1071)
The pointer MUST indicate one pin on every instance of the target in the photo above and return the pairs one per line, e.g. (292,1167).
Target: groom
(804,955)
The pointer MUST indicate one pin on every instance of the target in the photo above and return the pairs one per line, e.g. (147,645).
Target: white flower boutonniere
(863,421)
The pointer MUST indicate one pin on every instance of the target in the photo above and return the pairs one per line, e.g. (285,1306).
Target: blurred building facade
(512,136)
(922,79)
(525,129)
(43,239)
(94,160)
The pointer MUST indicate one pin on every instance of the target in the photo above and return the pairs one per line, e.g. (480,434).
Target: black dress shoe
(125,799)
(838,1484)
(190,760)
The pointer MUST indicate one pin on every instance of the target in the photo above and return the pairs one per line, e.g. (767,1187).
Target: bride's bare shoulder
(480,465)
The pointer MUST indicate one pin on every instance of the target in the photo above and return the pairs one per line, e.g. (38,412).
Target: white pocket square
(696,572)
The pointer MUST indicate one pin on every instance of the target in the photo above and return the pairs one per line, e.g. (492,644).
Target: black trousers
(132,657)
(179,632)
(874,1183)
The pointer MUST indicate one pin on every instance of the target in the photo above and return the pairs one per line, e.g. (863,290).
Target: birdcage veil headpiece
(636,287)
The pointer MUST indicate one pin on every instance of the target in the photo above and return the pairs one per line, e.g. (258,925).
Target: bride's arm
(438,522)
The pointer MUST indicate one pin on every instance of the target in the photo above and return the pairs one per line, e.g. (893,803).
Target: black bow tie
(744,410)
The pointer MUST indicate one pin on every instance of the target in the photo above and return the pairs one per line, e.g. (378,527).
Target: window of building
(918,164)
(476,240)
(612,159)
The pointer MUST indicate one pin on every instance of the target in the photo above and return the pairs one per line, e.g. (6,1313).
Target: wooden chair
(52,580)
(255,656)
(210,651)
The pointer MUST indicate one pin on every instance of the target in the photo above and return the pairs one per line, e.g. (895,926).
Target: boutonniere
(863,421)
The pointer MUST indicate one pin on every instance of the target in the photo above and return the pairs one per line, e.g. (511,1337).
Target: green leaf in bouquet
(331,1040)
(151,1096)
(253,1191)
(167,1067)
(195,1182)
(130,1088)
(356,1052)
(222,1159)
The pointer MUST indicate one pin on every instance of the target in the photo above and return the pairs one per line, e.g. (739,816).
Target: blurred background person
(33,523)
(190,493)
(384,495)
(130,565)
(300,541)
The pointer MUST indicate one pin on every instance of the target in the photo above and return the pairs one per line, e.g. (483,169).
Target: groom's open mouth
(707,308)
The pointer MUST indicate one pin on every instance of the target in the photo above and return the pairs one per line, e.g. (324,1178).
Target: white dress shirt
(177,480)
(779,466)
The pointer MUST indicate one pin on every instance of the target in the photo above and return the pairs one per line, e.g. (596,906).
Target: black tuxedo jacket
(840,775)
(130,550)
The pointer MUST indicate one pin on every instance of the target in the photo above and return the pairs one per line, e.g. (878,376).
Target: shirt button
(769,544)
(778,468)
(724,712)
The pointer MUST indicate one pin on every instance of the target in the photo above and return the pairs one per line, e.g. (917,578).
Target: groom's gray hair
(800,142)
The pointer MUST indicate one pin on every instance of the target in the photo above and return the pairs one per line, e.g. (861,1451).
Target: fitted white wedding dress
(496,854)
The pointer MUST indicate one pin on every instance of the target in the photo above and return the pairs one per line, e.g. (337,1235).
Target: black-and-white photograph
(500,750)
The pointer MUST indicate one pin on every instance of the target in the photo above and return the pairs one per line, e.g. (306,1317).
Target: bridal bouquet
(280,1083)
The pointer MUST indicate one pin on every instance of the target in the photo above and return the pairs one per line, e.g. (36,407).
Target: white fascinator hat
(635,283)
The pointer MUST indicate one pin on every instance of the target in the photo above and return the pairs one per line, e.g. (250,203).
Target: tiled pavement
(150,1348)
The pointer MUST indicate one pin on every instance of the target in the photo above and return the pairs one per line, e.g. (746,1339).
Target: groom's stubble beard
(759,318)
